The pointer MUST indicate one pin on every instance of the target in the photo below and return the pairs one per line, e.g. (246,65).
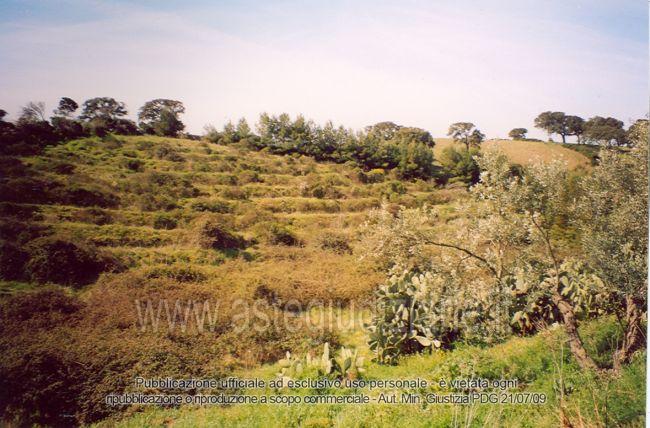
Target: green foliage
(518,133)
(165,221)
(63,262)
(416,161)
(160,117)
(466,133)
(277,234)
(348,365)
(605,130)
(460,164)
(211,233)
(401,323)
(212,205)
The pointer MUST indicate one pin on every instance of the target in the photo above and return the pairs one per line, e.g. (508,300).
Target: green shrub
(376,175)
(392,189)
(277,234)
(87,196)
(164,221)
(92,215)
(63,262)
(211,233)
(401,323)
(212,205)
(165,151)
(135,165)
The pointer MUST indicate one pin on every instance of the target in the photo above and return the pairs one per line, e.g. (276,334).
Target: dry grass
(526,152)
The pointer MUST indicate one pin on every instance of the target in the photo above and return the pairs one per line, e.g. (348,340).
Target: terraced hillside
(140,199)
(99,228)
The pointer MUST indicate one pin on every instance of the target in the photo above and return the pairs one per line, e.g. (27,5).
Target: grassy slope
(540,363)
(299,272)
(524,152)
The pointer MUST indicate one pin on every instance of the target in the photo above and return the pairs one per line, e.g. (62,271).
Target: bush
(392,189)
(401,323)
(234,193)
(212,205)
(334,242)
(277,234)
(166,152)
(56,260)
(12,262)
(135,165)
(376,175)
(164,221)
(177,273)
(210,233)
(459,164)
(82,196)
(92,215)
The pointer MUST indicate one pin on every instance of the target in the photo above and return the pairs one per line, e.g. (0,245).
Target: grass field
(526,152)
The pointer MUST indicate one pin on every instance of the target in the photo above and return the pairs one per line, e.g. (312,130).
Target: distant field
(525,152)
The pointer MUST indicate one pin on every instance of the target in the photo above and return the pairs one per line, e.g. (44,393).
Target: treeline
(97,117)
(605,131)
(408,151)
(385,145)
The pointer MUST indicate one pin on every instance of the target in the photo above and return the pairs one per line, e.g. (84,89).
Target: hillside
(96,232)
(526,152)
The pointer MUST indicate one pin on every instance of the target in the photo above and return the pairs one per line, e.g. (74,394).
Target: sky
(417,63)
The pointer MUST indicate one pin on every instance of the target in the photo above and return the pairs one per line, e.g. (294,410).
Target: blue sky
(428,64)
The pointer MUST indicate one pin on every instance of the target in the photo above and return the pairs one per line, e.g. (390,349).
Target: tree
(168,125)
(243,130)
(67,106)
(476,138)
(102,108)
(161,116)
(384,130)
(612,216)
(557,122)
(460,164)
(412,134)
(575,126)
(518,133)
(605,130)
(32,112)
(466,133)
(416,161)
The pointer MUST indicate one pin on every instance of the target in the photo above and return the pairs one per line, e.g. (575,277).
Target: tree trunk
(563,138)
(633,333)
(571,327)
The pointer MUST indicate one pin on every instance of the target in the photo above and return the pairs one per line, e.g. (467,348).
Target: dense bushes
(277,234)
(62,355)
(459,164)
(211,233)
(56,260)
(12,262)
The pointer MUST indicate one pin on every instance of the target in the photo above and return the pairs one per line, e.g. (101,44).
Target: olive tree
(612,215)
